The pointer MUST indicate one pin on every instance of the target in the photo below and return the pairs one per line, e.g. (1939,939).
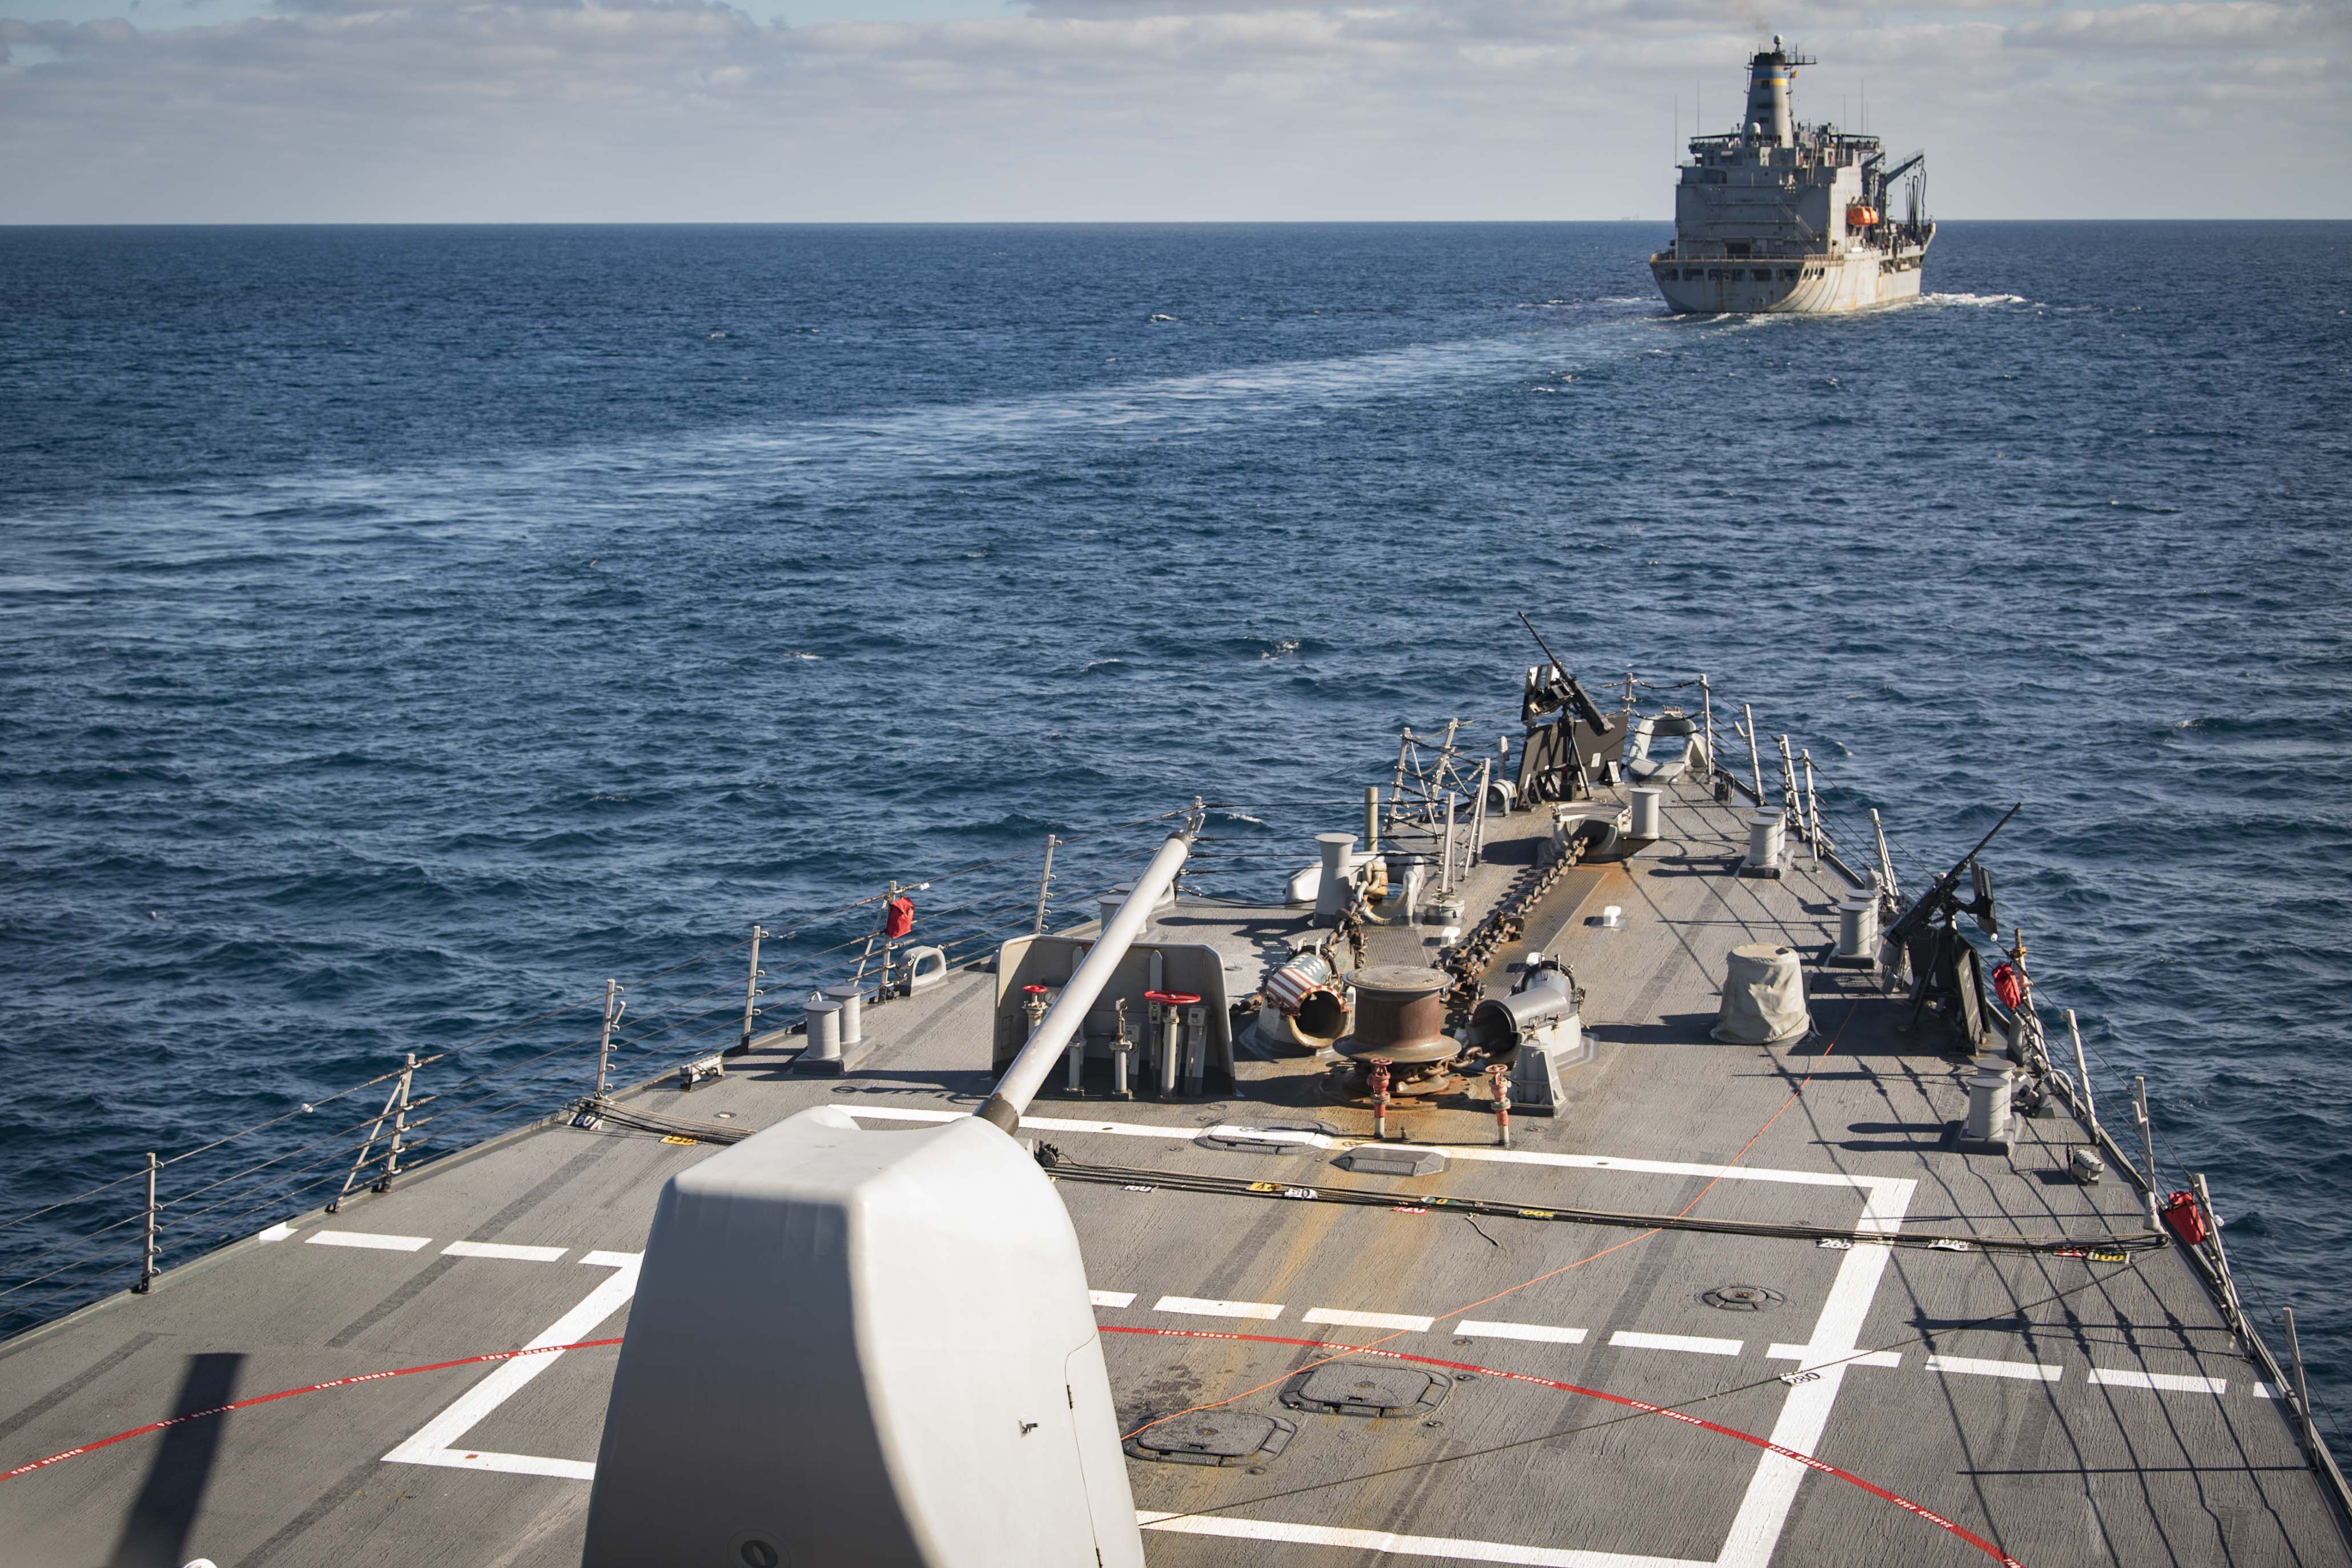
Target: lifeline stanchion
(1812,808)
(399,1125)
(604,1036)
(2082,1074)
(2221,1259)
(147,1259)
(752,988)
(1045,881)
(1755,766)
(1380,1099)
(1478,813)
(1885,861)
(1499,1082)
(2147,1141)
(2302,1383)
(1706,706)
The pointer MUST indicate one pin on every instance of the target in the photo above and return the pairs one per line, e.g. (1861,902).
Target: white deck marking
(1112,1298)
(2032,1370)
(2162,1382)
(1348,1319)
(277,1232)
(1865,1358)
(1196,1307)
(1697,1344)
(503,1250)
(368,1239)
(1480,1329)
(1381,1541)
(1452,1151)
(2262,1391)
(1805,1413)
(436,1443)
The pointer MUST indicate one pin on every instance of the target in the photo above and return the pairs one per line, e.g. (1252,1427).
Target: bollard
(853,1010)
(1380,1099)
(1499,1079)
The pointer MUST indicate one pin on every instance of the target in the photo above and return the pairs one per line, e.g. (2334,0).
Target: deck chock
(1394,1160)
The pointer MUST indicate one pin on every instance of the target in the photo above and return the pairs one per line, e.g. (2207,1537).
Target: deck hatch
(1222,1437)
(1356,1388)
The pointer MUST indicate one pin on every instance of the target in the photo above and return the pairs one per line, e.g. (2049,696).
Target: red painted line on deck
(288,1393)
(1811,1463)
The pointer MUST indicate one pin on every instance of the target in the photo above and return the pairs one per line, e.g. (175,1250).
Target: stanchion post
(752,990)
(1755,765)
(604,1036)
(2302,1383)
(399,1125)
(147,1259)
(2147,1142)
(1045,881)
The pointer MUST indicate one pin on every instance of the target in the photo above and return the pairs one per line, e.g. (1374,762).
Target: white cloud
(523,109)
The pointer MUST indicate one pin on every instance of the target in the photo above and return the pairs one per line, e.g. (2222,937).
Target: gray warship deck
(2072,1409)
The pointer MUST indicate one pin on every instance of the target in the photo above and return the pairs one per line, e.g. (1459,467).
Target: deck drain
(1350,1388)
(1742,1298)
(1223,1437)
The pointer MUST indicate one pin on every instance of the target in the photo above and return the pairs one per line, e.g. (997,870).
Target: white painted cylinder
(851,998)
(1649,820)
(824,1017)
(1338,859)
(1767,833)
(1988,1107)
(1858,927)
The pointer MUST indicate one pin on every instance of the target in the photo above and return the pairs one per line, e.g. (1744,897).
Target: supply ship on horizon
(1783,216)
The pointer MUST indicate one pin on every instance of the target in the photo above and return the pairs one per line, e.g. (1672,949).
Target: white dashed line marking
(1696,1345)
(1346,1319)
(1480,1329)
(1195,1307)
(2032,1370)
(503,1250)
(2162,1382)
(1112,1298)
(368,1239)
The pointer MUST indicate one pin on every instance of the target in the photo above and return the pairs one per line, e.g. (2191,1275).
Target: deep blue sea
(404,629)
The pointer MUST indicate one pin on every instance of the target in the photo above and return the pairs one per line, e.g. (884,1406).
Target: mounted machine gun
(1944,968)
(1566,735)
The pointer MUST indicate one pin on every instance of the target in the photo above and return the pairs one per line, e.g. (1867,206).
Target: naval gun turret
(874,1346)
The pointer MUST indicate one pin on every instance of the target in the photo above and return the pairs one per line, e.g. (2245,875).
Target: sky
(1091,110)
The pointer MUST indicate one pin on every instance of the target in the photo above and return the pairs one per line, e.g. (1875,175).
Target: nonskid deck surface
(2058,1409)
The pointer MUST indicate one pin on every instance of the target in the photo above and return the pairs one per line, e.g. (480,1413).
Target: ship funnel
(1770,75)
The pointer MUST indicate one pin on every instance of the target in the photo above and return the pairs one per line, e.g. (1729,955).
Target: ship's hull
(1812,285)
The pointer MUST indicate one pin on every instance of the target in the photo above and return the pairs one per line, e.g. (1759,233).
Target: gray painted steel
(2069,1409)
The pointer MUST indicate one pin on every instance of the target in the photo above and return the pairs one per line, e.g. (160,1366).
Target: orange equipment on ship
(1861,214)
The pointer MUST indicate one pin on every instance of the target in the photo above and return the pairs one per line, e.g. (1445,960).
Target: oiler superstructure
(1779,215)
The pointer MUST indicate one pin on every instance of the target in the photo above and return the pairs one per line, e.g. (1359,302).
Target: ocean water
(403,630)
